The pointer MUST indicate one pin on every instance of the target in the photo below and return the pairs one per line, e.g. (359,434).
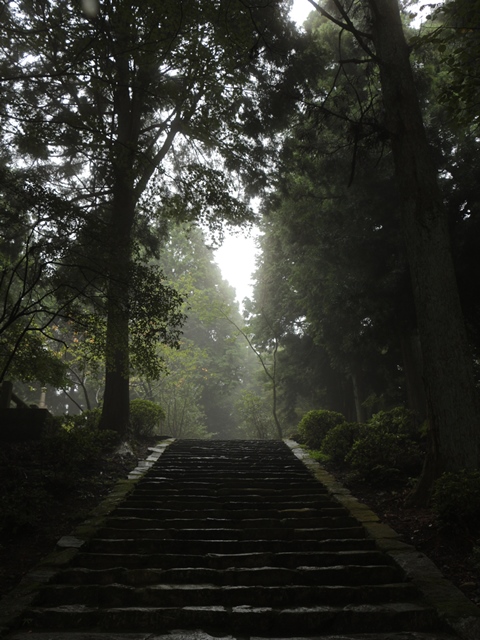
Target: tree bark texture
(116,402)
(447,361)
(413,371)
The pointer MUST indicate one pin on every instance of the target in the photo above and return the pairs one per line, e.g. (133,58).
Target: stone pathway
(236,539)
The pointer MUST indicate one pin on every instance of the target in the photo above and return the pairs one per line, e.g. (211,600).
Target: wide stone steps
(292,560)
(269,576)
(230,538)
(198,594)
(243,619)
(196,547)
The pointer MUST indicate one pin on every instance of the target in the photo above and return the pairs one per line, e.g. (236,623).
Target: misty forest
(135,135)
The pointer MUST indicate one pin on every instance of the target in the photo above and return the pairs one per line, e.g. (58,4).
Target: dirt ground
(453,551)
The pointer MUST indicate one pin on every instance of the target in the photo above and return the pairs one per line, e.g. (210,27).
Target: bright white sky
(236,257)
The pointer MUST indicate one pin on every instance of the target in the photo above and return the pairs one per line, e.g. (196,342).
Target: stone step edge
(16,601)
(455,610)
(201,635)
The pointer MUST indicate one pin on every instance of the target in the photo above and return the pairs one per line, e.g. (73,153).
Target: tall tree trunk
(116,401)
(274,379)
(413,369)
(358,397)
(448,371)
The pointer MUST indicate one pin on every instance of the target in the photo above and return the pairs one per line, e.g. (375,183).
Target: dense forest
(132,136)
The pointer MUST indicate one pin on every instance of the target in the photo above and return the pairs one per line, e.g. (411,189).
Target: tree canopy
(360,136)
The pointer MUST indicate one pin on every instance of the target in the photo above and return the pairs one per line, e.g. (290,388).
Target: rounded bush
(379,456)
(398,420)
(145,417)
(456,498)
(339,441)
(315,425)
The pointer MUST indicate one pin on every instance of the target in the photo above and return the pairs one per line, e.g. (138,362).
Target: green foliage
(456,498)
(22,506)
(315,425)
(211,369)
(146,418)
(319,456)
(382,457)
(87,419)
(49,470)
(155,318)
(398,420)
(32,360)
(457,41)
(80,444)
(256,416)
(339,441)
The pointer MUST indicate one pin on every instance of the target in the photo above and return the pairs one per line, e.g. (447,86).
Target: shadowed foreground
(234,538)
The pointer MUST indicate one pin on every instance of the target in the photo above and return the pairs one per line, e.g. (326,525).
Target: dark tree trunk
(116,401)
(413,370)
(358,397)
(274,395)
(448,370)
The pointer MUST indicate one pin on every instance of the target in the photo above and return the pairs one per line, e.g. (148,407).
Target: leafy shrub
(456,498)
(23,506)
(69,455)
(145,417)
(315,425)
(87,419)
(52,468)
(339,441)
(399,420)
(378,456)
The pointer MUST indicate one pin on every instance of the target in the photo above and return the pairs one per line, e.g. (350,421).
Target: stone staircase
(230,538)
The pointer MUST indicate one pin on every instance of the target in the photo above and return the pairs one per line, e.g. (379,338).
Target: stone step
(201,635)
(150,519)
(213,502)
(99,563)
(183,503)
(232,539)
(250,492)
(295,621)
(346,575)
(205,595)
(98,545)
(274,533)
(134,507)
(248,472)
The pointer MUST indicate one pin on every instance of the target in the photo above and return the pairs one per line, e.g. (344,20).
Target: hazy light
(300,11)
(90,8)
